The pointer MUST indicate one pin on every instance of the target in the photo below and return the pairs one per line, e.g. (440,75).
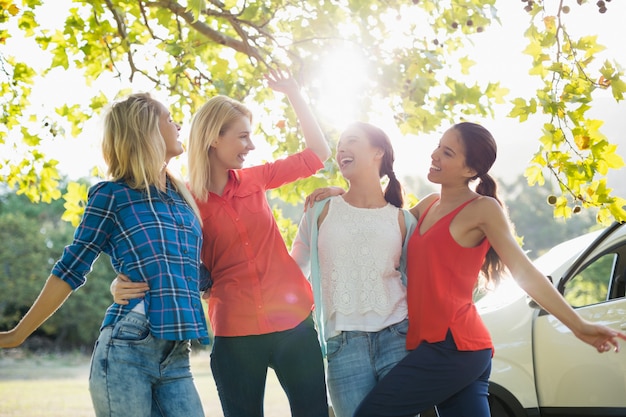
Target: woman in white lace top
(352,247)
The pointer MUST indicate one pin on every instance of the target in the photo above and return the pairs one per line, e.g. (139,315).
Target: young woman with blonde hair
(148,224)
(260,304)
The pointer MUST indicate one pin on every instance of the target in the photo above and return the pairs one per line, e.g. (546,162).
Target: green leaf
(196,7)
(534,175)
(75,200)
(29,139)
(466,64)
(618,88)
(521,109)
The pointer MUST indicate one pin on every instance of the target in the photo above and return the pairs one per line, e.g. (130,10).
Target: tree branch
(207,31)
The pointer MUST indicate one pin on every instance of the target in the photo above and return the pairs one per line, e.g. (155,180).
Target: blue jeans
(438,374)
(240,363)
(358,360)
(136,374)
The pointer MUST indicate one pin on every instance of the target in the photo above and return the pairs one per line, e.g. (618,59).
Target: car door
(571,377)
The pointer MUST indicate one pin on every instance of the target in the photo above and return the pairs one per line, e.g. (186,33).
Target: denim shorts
(135,374)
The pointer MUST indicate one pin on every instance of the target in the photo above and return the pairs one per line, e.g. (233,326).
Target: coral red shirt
(257,287)
(441,278)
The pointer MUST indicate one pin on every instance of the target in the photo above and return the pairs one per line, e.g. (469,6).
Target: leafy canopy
(408,56)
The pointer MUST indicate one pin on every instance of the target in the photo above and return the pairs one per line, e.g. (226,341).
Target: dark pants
(438,374)
(239,366)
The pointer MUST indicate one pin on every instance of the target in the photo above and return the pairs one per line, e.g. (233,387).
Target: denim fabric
(358,360)
(438,374)
(240,363)
(135,374)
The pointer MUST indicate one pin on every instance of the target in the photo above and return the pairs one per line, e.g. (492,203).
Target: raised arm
(282,82)
(52,296)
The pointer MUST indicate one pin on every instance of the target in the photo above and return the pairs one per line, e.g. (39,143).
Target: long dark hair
(480,154)
(379,139)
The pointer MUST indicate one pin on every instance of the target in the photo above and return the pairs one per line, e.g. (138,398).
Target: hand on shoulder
(320,194)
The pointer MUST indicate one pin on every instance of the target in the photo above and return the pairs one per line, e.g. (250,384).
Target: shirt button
(246,243)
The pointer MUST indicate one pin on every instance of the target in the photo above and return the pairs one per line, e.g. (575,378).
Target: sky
(498,55)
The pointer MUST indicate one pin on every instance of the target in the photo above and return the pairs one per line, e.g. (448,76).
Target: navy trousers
(434,374)
(240,364)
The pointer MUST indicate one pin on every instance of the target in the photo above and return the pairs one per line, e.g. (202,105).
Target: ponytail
(480,154)
(488,187)
(393,191)
(493,268)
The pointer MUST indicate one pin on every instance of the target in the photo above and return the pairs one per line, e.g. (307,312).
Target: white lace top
(359,255)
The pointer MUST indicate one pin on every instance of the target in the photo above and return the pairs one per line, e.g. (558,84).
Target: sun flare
(338,84)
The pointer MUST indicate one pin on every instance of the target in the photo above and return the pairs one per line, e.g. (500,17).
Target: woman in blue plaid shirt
(148,224)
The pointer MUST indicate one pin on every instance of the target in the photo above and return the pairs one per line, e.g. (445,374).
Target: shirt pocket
(253,202)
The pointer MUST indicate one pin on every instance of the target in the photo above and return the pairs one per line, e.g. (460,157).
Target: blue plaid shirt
(156,240)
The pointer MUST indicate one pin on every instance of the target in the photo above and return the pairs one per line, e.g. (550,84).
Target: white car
(539,367)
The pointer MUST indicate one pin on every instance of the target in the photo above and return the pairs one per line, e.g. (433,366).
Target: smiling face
(230,149)
(356,155)
(448,160)
(170,132)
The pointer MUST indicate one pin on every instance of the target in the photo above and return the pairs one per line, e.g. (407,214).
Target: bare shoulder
(487,205)
(488,215)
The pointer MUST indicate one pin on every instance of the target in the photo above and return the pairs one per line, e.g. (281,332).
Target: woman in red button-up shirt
(260,303)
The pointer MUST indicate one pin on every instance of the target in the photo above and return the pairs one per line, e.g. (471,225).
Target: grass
(57,386)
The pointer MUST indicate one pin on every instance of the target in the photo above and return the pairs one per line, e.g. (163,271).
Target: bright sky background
(498,53)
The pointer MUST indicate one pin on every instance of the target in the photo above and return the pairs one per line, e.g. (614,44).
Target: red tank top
(441,279)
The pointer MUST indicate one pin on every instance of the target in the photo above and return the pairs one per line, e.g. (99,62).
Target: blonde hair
(209,123)
(133,147)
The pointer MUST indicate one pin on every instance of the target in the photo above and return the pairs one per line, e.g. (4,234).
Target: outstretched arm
(282,82)
(496,228)
(51,297)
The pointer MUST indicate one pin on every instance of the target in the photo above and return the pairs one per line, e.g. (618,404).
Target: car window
(591,285)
